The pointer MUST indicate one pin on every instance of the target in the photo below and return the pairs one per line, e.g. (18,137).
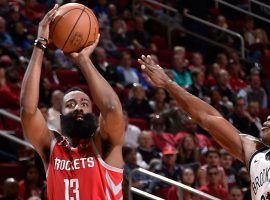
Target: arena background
(218,50)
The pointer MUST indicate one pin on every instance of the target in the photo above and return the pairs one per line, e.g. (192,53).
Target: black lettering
(254,188)
(261,178)
(267,174)
(257,182)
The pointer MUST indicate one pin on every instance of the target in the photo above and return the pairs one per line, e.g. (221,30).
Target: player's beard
(78,128)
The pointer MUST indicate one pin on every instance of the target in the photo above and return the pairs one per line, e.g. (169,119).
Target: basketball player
(84,161)
(254,152)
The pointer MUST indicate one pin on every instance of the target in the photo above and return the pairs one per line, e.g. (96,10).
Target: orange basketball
(74,27)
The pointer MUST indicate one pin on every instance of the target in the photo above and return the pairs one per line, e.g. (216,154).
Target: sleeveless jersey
(259,169)
(81,174)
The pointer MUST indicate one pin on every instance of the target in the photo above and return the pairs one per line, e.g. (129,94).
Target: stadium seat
(141,123)
(68,77)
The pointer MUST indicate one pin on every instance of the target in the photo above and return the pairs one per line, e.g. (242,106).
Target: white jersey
(259,167)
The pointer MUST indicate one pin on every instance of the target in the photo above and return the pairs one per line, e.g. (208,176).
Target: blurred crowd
(159,135)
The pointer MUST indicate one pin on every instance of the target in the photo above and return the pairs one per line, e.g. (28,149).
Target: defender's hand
(156,73)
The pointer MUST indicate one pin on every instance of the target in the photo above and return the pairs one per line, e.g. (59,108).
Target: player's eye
(84,104)
(71,105)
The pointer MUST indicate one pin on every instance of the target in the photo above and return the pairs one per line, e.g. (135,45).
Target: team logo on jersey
(79,163)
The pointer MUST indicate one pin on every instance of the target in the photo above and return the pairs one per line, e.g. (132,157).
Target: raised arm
(111,119)
(204,114)
(33,123)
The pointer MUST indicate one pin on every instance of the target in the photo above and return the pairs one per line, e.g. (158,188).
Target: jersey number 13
(72,189)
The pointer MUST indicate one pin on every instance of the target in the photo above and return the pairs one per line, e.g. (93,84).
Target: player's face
(77,119)
(76,100)
(266,132)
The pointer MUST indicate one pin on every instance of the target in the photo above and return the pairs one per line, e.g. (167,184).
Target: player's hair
(73,89)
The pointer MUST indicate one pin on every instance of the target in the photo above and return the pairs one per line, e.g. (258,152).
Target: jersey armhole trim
(254,154)
(102,162)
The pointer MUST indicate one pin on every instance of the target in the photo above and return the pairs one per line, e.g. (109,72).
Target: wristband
(41,43)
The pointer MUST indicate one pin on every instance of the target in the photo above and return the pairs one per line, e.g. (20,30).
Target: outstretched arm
(33,123)
(204,114)
(111,121)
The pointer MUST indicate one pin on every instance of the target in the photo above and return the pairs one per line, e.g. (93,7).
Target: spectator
(160,137)
(45,91)
(10,91)
(138,106)
(158,103)
(241,119)
(236,75)
(223,85)
(254,92)
(174,117)
(140,180)
(222,60)
(44,110)
(146,147)
(119,33)
(213,187)
(212,75)
(224,106)
(243,181)
(5,38)
(261,37)
(235,193)
(253,111)
(188,152)
(249,32)
(180,74)
(32,183)
(166,168)
(192,128)
(197,87)
(54,110)
(226,161)
(112,12)
(196,62)
(132,133)
(222,36)
(21,37)
(129,74)
(188,178)
(212,158)
(105,68)
(138,36)
(10,190)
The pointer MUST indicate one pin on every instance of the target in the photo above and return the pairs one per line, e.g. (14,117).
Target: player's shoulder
(251,145)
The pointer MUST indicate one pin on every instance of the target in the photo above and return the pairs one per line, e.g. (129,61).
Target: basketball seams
(62,15)
(73,28)
(89,30)
(94,17)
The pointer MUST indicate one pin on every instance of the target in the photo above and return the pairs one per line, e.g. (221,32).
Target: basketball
(74,27)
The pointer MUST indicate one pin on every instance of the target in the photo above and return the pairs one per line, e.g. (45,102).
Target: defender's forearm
(195,107)
(30,85)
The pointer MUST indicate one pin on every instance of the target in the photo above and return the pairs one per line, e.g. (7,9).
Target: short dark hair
(212,150)
(73,89)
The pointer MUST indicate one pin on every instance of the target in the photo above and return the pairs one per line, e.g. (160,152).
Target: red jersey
(81,174)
